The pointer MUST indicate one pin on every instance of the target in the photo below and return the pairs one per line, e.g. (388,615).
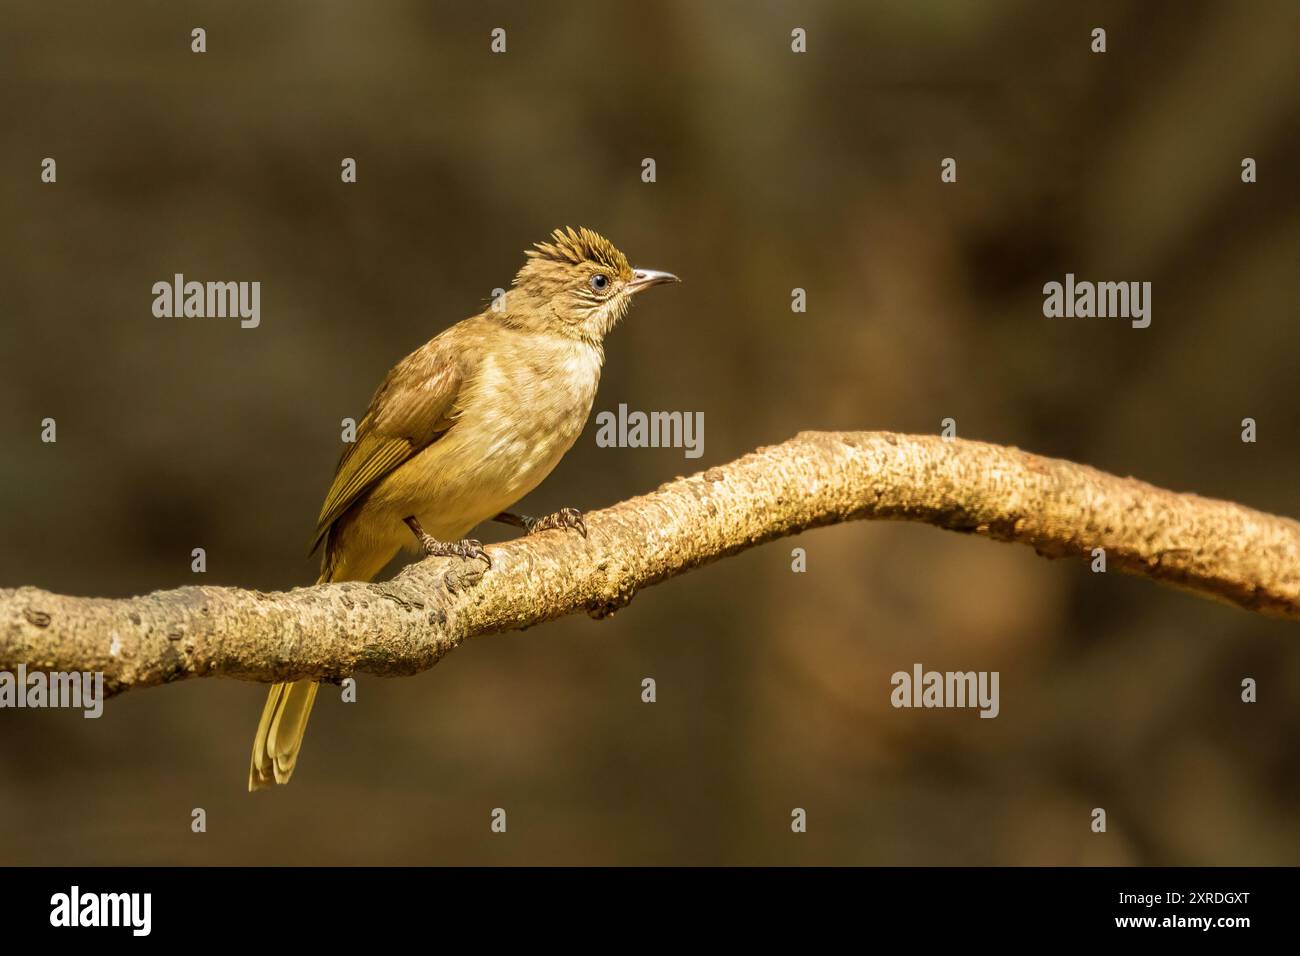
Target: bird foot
(468,549)
(564,518)
(464,577)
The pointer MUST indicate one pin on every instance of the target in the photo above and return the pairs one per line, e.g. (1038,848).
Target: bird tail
(280,731)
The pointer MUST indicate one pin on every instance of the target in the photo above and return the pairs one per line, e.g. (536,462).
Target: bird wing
(413,408)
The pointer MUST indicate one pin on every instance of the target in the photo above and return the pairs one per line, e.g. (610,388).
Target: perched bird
(460,430)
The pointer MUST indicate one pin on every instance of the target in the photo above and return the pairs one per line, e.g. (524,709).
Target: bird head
(577,284)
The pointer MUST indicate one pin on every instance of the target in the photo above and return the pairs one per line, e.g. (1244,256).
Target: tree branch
(1214,548)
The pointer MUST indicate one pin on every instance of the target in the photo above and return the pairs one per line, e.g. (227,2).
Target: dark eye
(600,282)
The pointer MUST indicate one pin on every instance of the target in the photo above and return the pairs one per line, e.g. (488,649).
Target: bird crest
(576,246)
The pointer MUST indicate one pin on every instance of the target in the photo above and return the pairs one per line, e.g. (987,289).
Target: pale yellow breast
(523,409)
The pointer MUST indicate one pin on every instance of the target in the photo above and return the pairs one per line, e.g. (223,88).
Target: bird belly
(500,448)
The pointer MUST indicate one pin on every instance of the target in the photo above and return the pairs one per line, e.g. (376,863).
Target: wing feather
(414,407)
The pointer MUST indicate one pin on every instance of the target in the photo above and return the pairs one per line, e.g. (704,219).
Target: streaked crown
(576,246)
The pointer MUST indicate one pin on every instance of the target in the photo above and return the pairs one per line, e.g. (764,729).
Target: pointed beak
(645,278)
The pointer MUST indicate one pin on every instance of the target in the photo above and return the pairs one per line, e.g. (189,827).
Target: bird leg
(468,549)
(564,518)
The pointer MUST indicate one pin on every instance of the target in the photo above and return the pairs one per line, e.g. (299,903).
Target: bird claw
(468,549)
(564,518)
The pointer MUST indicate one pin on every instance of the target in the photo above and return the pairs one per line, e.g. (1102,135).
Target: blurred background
(775,171)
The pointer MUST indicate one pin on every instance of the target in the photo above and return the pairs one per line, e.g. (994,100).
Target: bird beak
(645,278)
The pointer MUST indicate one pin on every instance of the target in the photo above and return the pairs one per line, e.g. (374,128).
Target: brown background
(775,171)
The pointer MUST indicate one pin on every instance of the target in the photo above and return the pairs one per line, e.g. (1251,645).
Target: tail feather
(280,731)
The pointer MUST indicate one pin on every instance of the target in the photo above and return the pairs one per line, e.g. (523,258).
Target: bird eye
(600,282)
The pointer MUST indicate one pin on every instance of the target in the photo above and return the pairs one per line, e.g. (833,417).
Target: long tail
(280,732)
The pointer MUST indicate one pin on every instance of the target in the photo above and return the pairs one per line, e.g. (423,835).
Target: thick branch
(1215,548)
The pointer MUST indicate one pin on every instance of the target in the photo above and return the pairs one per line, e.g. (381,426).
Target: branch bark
(1214,548)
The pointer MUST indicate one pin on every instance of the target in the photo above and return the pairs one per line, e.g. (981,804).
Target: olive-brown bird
(460,430)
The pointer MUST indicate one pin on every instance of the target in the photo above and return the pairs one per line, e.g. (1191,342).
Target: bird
(459,431)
